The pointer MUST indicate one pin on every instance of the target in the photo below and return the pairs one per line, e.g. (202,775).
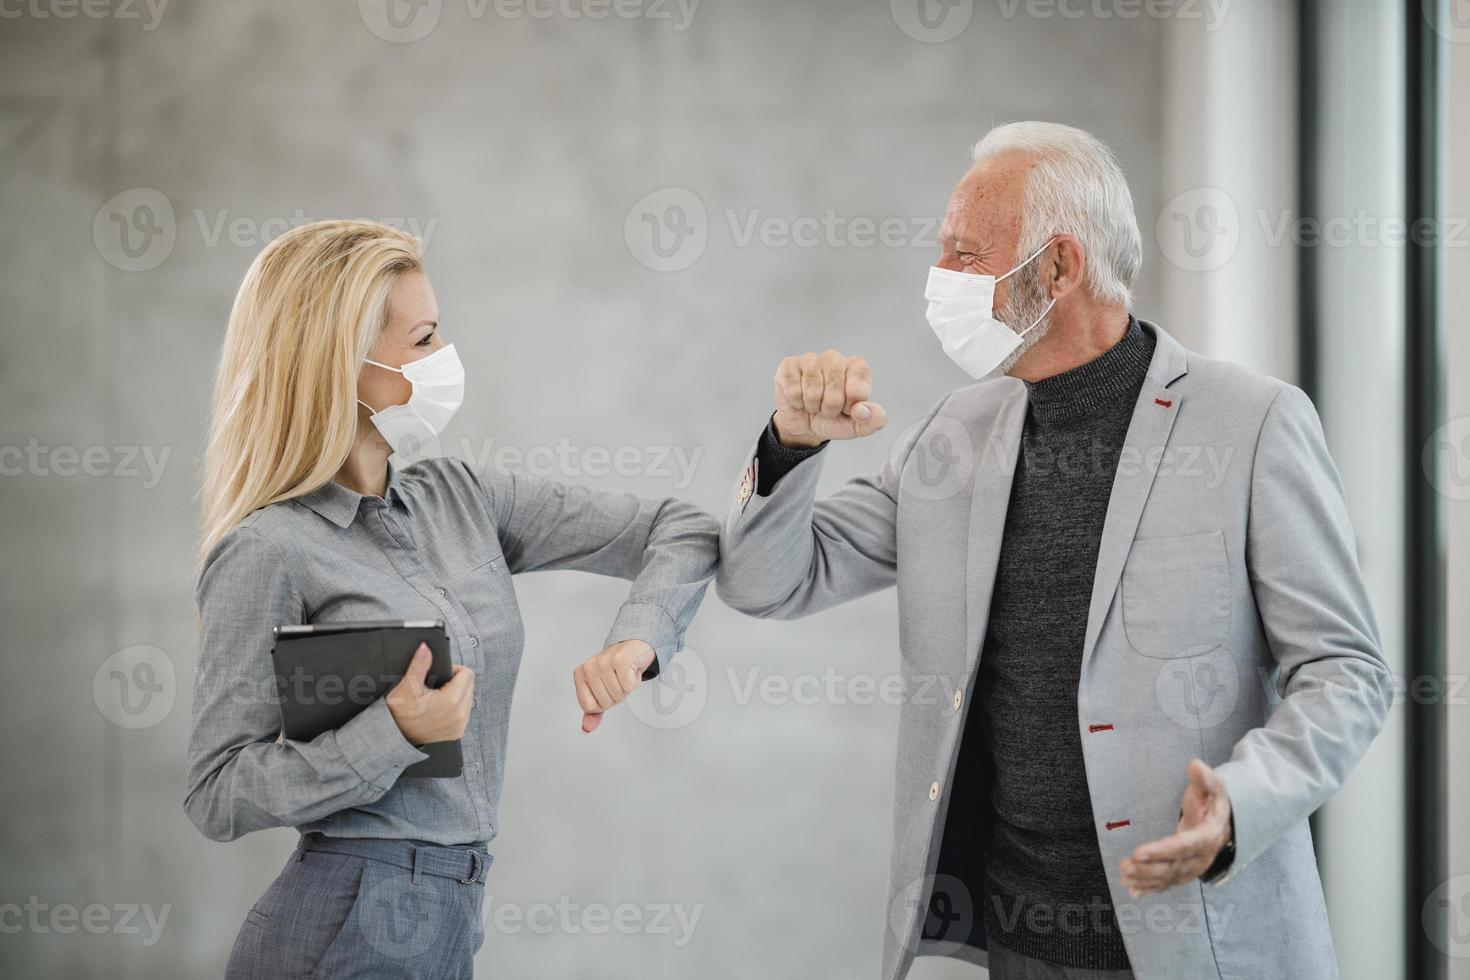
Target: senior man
(1138,648)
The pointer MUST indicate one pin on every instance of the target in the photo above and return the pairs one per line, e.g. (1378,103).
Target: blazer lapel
(1143,450)
(995,469)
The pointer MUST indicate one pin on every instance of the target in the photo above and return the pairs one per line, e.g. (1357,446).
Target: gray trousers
(1006,964)
(362,908)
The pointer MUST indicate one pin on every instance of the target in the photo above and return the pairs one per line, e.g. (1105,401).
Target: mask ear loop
(368,360)
(1028,259)
(1022,266)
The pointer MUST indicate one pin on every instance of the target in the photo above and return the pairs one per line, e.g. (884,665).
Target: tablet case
(328,672)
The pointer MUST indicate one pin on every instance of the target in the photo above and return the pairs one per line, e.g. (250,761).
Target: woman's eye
(425,342)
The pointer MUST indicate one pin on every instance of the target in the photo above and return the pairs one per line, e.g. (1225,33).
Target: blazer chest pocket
(1176,595)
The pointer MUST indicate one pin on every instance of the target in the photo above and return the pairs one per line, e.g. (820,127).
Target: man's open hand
(1204,828)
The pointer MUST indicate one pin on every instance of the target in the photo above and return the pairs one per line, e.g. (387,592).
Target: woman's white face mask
(438,391)
(961,314)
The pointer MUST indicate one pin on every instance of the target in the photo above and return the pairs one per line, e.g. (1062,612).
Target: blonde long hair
(284,413)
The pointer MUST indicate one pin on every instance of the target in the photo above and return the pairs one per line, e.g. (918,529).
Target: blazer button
(959,696)
(933,791)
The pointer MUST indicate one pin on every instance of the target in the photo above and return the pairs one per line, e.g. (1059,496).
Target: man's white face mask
(961,314)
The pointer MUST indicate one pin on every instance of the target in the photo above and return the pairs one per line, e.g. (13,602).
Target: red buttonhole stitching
(1099,728)
(1166,404)
(1115,824)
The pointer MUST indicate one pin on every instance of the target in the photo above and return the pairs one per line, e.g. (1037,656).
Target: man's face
(980,235)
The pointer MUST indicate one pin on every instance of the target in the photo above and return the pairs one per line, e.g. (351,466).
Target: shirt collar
(340,504)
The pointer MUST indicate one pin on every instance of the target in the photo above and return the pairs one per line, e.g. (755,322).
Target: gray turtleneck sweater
(1047,894)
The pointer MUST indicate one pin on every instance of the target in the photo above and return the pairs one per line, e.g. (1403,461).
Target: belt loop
(417,862)
(300,854)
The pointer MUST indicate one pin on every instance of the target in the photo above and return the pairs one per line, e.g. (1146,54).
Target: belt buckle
(477,865)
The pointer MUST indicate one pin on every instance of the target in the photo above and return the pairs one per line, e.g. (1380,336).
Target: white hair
(1077,189)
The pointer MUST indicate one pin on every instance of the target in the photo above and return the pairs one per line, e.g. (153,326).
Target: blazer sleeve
(1334,684)
(786,554)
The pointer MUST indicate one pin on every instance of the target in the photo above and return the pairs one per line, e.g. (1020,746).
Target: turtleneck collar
(1101,383)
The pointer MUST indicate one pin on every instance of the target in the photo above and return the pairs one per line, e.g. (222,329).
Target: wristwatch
(1219,870)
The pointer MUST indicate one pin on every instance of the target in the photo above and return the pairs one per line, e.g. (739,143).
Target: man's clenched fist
(825,396)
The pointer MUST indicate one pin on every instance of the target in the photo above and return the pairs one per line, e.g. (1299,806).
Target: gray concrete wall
(525,148)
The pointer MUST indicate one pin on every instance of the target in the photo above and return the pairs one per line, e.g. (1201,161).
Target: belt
(466,865)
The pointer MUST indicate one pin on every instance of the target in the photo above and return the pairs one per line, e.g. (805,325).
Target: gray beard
(1020,311)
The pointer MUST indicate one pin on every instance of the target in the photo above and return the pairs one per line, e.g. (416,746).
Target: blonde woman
(332,361)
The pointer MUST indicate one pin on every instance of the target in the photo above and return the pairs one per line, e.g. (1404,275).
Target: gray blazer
(1228,622)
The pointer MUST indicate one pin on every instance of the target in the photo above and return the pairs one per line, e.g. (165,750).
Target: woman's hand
(427,714)
(609,677)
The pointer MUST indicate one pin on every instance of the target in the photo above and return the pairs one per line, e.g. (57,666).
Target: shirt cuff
(374,746)
(776,460)
(651,624)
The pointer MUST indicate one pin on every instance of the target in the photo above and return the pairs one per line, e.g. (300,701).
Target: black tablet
(328,672)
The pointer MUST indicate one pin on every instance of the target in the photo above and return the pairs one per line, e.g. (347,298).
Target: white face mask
(438,391)
(961,314)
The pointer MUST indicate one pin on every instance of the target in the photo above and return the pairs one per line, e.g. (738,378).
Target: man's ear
(1067,267)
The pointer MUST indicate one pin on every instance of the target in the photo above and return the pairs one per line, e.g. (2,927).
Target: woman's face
(412,332)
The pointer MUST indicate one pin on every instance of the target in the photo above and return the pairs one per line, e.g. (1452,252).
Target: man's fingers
(1175,847)
(590,721)
(811,384)
(788,385)
(834,383)
(868,417)
(1203,777)
(859,383)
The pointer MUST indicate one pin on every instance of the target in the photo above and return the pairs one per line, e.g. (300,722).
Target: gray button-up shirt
(442,543)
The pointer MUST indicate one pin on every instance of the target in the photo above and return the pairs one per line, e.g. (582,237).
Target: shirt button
(441,592)
(958,698)
(933,791)
(474,641)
